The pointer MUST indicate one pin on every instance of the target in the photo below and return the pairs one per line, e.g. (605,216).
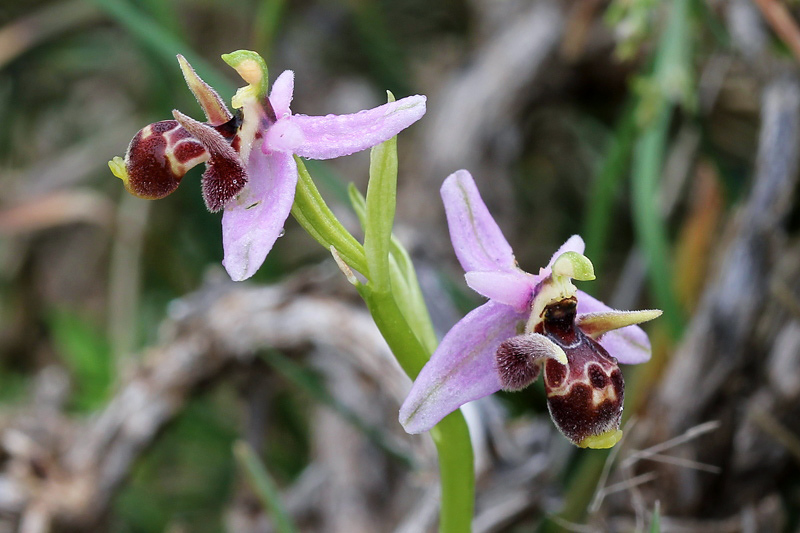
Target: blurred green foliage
(85,352)
(188,477)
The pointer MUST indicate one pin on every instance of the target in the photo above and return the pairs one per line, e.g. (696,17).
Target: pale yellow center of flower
(558,286)
(250,71)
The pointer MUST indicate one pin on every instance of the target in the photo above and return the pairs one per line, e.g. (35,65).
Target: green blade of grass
(648,160)
(162,41)
(607,185)
(655,525)
(264,486)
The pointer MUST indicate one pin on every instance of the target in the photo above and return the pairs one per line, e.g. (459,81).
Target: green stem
(412,342)
(450,436)
(405,345)
(404,281)
(417,311)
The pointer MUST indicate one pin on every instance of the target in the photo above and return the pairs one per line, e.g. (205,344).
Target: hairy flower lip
(585,396)
(464,366)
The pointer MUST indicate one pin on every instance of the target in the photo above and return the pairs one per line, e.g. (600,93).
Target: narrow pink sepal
(281,95)
(477,239)
(509,288)
(253,222)
(339,135)
(630,345)
(462,369)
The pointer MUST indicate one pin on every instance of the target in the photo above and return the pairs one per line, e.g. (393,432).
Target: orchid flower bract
(532,322)
(251,173)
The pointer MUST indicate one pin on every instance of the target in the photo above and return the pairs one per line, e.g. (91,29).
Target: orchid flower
(532,322)
(251,173)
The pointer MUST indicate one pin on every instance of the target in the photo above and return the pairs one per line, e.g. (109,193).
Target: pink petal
(573,244)
(462,369)
(281,95)
(630,345)
(283,136)
(253,222)
(510,288)
(477,240)
(338,135)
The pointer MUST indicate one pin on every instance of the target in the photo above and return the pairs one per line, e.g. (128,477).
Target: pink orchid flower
(531,322)
(251,173)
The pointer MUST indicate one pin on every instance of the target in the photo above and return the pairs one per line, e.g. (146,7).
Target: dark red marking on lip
(618,382)
(597,377)
(186,151)
(555,373)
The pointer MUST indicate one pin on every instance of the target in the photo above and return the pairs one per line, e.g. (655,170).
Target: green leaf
(314,215)
(404,282)
(673,57)
(381,204)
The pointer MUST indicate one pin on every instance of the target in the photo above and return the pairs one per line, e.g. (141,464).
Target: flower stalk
(394,299)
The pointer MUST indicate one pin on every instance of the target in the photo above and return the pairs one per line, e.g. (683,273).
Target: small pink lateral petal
(510,288)
(339,135)
(253,222)
(630,345)
(281,95)
(462,369)
(477,239)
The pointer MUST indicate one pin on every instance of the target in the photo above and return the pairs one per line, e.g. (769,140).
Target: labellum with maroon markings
(250,173)
(531,323)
